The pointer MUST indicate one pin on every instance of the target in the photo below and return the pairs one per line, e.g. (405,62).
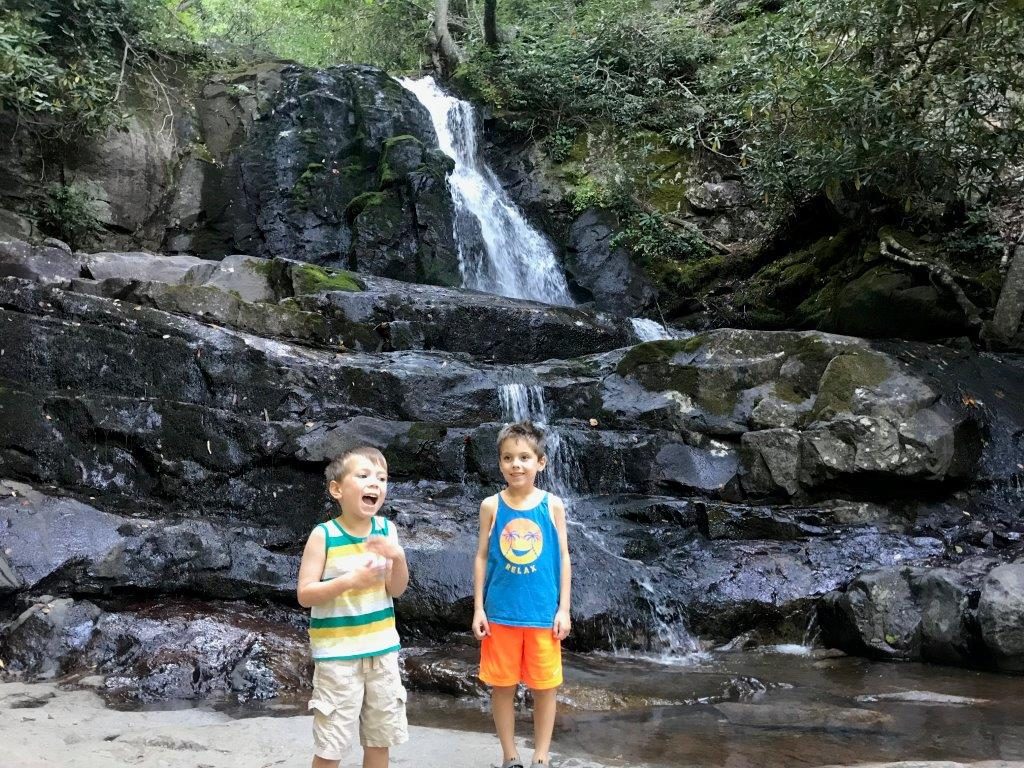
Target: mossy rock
(308,278)
(842,377)
(657,353)
(361,202)
(399,156)
(651,364)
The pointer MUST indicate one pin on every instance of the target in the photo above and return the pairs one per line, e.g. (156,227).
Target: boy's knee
(319,762)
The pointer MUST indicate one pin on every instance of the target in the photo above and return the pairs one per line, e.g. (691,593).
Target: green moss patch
(843,376)
(313,279)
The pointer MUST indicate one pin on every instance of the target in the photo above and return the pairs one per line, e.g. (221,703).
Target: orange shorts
(510,654)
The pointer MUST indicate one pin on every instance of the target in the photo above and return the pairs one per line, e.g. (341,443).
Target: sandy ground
(43,726)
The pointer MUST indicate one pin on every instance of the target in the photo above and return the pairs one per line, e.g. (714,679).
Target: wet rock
(41,264)
(48,638)
(726,521)
(948,629)
(10,581)
(924,697)
(876,615)
(804,717)
(443,673)
(729,587)
(425,317)
(606,273)
(184,650)
(147,267)
(1001,616)
(64,543)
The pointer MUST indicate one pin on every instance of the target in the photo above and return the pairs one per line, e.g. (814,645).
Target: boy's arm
(311,590)
(398,567)
(563,622)
(488,508)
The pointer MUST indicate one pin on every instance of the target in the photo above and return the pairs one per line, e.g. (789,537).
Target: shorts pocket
(321,707)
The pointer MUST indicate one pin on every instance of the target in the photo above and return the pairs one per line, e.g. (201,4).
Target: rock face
(606,273)
(165,419)
(955,616)
(180,411)
(337,167)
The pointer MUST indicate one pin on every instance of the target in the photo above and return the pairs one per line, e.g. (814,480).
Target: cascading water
(499,252)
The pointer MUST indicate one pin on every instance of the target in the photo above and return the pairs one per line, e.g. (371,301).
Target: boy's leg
(336,701)
(503,709)
(542,672)
(375,757)
(382,723)
(543,723)
(501,655)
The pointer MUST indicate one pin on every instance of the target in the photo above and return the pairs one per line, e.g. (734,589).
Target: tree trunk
(1010,306)
(491,23)
(449,53)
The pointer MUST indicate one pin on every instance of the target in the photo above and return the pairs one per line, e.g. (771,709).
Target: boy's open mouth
(370,498)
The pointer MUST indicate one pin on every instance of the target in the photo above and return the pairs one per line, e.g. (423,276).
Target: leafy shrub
(912,102)
(68,214)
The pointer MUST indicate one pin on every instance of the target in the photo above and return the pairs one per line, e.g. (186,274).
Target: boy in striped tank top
(351,569)
(521,579)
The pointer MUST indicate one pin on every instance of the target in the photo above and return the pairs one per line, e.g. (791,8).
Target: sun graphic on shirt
(521,541)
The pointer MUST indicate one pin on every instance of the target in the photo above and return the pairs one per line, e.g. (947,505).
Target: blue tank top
(524,565)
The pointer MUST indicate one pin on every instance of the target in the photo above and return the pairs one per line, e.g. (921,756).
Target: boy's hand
(480,626)
(562,625)
(385,547)
(368,575)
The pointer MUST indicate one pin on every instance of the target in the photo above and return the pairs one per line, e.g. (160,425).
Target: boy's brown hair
(338,468)
(526,431)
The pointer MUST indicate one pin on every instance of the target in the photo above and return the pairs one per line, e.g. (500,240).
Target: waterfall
(499,252)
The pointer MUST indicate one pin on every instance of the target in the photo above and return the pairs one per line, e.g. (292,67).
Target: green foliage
(611,61)
(386,33)
(913,102)
(63,63)
(652,240)
(68,214)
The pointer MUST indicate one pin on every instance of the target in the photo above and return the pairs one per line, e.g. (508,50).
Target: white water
(499,252)
(649,330)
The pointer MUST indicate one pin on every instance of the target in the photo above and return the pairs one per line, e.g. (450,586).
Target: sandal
(512,762)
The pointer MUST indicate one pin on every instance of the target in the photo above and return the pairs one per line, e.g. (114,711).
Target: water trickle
(522,402)
(649,330)
(499,252)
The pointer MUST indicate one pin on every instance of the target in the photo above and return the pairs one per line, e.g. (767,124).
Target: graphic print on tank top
(523,566)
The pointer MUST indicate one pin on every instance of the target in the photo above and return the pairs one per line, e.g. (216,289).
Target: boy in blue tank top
(521,584)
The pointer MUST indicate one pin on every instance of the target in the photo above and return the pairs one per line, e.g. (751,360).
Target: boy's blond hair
(526,431)
(338,468)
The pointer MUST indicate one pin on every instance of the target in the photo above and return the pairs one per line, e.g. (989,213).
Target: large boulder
(810,410)
(603,271)
(337,167)
(875,615)
(42,264)
(1001,616)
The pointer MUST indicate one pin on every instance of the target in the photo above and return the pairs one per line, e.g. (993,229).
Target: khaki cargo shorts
(368,691)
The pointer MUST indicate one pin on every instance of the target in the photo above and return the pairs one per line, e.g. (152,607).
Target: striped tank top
(524,565)
(357,623)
